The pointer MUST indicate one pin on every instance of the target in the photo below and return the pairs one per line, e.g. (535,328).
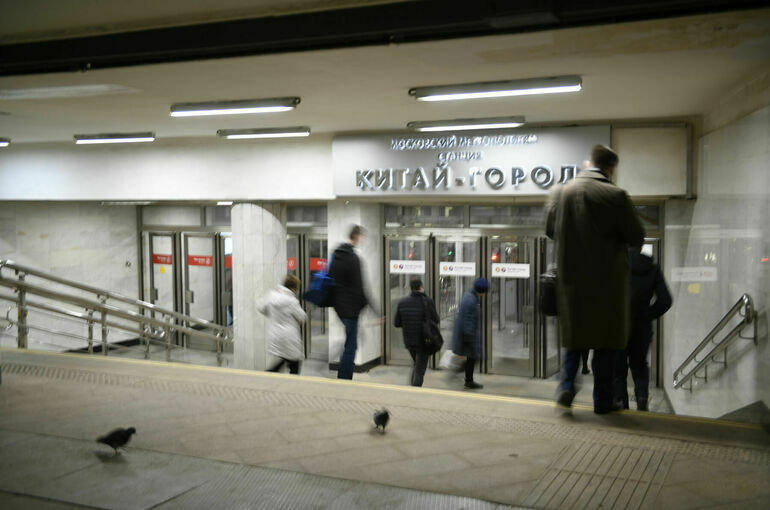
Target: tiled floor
(215,429)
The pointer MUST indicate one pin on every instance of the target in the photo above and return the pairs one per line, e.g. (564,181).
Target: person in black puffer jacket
(410,315)
(646,281)
(348,298)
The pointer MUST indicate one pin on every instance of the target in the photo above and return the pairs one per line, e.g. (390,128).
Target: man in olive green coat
(593,223)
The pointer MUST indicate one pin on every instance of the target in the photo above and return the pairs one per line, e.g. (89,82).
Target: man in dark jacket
(593,223)
(466,336)
(410,315)
(348,298)
(646,281)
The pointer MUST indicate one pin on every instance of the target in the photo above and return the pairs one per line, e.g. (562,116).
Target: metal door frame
(176,271)
(534,346)
(188,299)
(222,297)
(385,358)
(656,345)
(303,270)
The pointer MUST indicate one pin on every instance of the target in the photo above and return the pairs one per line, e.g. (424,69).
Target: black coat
(410,315)
(348,297)
(646,281)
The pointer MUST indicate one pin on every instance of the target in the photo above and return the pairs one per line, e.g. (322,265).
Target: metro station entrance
(516,340)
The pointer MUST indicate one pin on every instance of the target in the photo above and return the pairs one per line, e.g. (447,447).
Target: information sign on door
(457,269)
(407,267)
(510,271)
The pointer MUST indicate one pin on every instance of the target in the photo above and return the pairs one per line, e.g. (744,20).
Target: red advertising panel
(200,260)
(161,259)
(228,261)
(291,263)
(317,264)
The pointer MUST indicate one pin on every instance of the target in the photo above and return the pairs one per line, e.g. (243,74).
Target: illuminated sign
(407,267)
(510,271)
(457,268)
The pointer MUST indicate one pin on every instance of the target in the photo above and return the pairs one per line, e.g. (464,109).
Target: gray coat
(593,223)
(466,336)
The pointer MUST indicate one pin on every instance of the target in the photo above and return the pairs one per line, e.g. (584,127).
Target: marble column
(259,265)
(342,215)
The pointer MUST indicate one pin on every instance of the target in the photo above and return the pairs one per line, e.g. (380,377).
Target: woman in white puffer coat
(286,316)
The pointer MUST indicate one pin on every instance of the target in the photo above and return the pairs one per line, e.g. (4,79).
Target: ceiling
(670,68)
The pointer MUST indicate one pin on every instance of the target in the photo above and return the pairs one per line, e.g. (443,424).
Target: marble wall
(725,230)
(88,243)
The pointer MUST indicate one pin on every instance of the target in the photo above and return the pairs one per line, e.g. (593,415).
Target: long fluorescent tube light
(531,86)
(5,142)
(278,104)
(225,202)
(114,138)
(466,124)
(242,134)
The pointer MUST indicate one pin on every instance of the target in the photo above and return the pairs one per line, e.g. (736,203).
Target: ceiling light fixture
(466,124)
(225,202)
(278,104)
(242,134)
(114,138)
(531,86)
(5,142)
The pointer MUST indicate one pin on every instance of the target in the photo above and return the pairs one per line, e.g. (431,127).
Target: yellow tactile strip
(455,418)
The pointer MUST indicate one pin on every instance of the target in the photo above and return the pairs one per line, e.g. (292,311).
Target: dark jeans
(603,365)
(348,358)
(635,357)
(420,359)
(293,366)
(470,363)
(570,369)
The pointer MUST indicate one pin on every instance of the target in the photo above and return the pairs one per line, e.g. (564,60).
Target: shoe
(641,404)
(585,371)
(473,385)
(615,406)
(565,398)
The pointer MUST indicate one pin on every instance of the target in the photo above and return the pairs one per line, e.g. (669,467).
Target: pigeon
(381,418)
(118,438)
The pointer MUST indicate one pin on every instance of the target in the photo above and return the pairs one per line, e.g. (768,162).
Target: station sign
(158,258)
(407,267)
(291,263)
(317,264)
(510,271)
(200,260)
(518,161)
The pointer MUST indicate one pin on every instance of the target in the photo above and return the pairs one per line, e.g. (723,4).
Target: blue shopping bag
(321,288)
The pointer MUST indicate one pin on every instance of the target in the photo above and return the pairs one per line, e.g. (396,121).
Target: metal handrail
(18,268)
(749,316)
(150,328)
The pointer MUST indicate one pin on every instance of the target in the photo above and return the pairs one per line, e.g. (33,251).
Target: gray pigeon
(118,438)
(381,418)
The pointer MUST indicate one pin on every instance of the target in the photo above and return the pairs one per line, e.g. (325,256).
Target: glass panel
(650,215)
(533,215)
(162,271)
(451,286)
(511,306)
(423,216)
(319,317)
(218,216)
(550,324)
(398,287)
(306,214)
(292,253)
(199,261)
(227,284)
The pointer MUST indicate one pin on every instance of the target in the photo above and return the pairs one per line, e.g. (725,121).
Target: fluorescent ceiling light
(467,124)
(65,91)
(5,142)
(114,138)
(225,202)
(278,104)
(532,86)
(242,134)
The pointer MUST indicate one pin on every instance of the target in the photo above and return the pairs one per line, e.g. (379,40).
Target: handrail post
(22,330)
(168,342)
(219,350)
(105,331)
(90,331)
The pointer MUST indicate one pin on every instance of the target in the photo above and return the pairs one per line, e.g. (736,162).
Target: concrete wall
(725,230)
(88,243)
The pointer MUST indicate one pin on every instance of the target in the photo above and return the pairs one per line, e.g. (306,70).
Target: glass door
(162,275)
(511,310)
(407,259)
(224,242)
(317,328)
(651,248)
(456,262)
(199,278)
(550,344)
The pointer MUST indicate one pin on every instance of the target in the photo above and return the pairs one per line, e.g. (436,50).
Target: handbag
(321,287)
(451,361)
(431,333)
(548,293)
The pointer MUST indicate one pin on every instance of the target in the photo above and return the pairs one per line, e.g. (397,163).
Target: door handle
(154,294)
(189,296)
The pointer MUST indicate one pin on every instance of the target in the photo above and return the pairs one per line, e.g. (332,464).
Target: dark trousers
(470,363)
(293,366)
(420,359)
(348,358)
(570,369)
(635,357)
(584,357)
(603,366)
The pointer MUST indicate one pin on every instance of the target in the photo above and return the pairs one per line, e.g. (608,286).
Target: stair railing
(743,307)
